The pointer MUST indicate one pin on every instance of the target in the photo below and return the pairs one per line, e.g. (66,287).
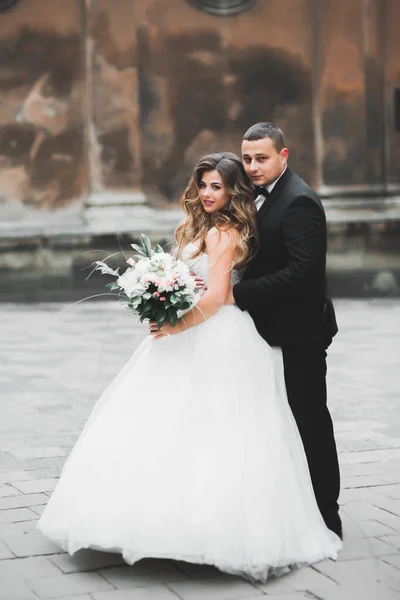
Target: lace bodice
(199,265)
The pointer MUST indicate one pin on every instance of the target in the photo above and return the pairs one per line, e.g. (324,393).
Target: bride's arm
(220,247)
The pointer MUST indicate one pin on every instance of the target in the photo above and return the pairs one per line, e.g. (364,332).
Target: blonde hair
(239,215)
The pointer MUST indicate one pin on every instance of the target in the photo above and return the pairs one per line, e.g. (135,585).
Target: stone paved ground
(54,363)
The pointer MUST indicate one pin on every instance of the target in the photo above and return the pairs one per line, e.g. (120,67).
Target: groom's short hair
(260,131)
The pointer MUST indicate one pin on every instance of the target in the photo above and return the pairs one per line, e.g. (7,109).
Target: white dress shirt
(259,201)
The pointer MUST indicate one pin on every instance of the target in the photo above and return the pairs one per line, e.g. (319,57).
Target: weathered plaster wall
(105,106)
(42,141)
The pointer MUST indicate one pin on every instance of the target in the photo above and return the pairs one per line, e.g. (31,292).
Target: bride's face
(212,192)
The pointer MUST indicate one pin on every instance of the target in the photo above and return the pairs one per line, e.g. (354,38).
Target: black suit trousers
(305,377)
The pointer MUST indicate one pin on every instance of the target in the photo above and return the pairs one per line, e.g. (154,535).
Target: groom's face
(262,162)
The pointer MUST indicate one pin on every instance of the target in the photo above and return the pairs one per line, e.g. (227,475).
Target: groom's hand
(230,299)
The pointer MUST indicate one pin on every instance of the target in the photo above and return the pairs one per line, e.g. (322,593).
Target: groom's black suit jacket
(284,285)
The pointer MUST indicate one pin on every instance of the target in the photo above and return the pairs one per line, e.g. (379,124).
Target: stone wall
(42,117)
(105,107)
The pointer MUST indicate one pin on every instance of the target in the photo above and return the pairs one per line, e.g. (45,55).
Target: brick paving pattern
(54,362)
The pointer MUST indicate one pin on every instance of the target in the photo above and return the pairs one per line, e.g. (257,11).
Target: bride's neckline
(190,250)
(194,245)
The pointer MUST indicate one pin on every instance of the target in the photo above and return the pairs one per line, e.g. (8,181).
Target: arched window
(222,8)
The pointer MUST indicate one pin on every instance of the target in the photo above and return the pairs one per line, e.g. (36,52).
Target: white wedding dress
(192,453)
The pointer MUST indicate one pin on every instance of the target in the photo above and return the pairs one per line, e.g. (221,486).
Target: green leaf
(146,245)
(138,249)
(147,295)
(146,311)
(158,249)
(185,305)
(161,321)
(173,320)
(171,312)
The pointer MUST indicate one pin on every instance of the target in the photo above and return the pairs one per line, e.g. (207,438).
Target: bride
(192,452)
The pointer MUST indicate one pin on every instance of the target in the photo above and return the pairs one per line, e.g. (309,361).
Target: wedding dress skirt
(192,453)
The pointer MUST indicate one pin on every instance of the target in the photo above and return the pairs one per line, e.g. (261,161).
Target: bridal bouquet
(155,285)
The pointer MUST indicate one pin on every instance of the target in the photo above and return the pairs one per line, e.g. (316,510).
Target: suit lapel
(269,201)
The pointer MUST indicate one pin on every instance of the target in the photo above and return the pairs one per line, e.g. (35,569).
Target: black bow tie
(260,190)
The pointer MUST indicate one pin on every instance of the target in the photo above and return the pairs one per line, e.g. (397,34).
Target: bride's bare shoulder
(217,235)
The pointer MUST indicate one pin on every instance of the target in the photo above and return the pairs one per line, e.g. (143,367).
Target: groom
(284,290)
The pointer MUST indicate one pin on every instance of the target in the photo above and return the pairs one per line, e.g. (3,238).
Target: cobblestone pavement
(53,365)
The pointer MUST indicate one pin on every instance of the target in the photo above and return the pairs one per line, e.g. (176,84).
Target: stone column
(390,28)
(116,199)
(43,180)
(351,96)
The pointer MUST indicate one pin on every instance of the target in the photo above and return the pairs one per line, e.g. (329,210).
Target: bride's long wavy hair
(239,214)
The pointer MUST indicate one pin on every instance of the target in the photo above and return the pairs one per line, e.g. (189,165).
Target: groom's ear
(285,153)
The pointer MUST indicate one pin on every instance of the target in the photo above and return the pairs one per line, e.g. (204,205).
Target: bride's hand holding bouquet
(155,286)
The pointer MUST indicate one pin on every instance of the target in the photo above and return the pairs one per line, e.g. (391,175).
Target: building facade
(105,106)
